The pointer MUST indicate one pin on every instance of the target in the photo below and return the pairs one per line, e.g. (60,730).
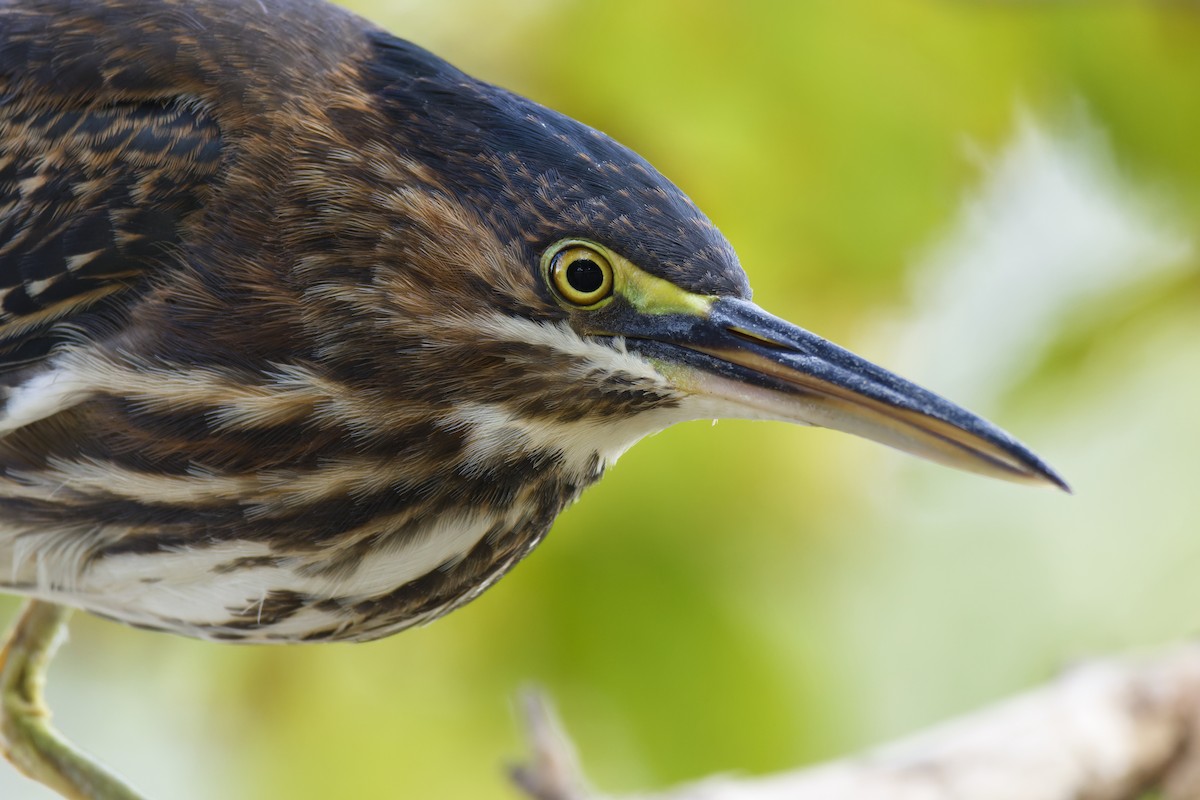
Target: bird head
(581,299)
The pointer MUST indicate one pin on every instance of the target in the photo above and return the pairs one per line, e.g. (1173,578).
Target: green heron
(306,335)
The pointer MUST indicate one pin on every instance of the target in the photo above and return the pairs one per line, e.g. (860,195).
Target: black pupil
(585,275)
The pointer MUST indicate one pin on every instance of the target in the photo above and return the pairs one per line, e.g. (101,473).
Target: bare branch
(1107,730)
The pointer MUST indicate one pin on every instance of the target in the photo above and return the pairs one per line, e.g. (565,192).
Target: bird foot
(27,739)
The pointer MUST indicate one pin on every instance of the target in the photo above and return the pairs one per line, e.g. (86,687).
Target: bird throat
(173,495)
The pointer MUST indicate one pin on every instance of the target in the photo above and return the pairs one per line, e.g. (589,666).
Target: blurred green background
(997,200)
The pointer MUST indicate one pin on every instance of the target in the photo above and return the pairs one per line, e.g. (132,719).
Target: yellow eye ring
(580,274)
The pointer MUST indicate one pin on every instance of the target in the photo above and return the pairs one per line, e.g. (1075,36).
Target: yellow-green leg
(26,736)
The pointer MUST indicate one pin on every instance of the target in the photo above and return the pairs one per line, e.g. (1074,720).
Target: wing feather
(98,179)
(93,199)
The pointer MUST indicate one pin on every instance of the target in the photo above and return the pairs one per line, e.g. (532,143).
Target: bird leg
(26,736)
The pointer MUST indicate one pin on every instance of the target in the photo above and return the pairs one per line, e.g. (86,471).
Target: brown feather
(274,277)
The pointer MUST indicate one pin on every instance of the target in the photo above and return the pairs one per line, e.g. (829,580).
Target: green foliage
(749,597)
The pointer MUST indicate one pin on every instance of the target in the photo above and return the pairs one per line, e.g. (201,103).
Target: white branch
(1108,730)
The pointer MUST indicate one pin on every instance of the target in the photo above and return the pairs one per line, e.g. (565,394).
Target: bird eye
(581,275)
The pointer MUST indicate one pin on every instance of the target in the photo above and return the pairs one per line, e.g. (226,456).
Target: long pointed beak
(761,366)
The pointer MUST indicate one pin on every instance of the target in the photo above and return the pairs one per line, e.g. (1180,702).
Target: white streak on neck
(42,395)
